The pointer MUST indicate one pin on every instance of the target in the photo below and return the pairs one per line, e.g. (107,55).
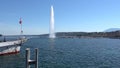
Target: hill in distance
(112,29)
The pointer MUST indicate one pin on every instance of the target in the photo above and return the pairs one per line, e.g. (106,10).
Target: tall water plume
(52,32)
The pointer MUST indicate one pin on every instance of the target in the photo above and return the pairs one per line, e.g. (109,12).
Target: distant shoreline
(114,34)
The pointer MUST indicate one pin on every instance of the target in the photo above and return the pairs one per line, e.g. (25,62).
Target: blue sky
(70,15)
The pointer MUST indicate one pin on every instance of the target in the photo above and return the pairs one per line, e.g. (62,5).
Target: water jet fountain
(52,32)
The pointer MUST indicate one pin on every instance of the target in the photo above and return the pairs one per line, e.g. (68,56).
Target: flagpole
(20,22)
(21,29)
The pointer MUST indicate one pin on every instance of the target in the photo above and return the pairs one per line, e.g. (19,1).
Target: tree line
(115,34)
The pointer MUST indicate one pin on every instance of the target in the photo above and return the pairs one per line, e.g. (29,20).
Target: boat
(12,47)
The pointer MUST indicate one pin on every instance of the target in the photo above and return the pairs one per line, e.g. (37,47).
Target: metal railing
(29,61)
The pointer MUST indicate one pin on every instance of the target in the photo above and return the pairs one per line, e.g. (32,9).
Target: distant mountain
(0,34)
(112,29)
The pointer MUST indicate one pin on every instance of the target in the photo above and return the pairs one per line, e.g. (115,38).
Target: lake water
(68,53)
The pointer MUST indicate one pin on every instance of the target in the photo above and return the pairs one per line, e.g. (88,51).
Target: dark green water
(68,53)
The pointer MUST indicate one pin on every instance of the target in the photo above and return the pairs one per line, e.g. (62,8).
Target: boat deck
(8,43)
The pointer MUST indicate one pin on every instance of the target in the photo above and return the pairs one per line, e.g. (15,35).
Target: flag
(20,21)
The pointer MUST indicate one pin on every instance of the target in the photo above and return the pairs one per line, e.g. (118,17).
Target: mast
(20,22)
